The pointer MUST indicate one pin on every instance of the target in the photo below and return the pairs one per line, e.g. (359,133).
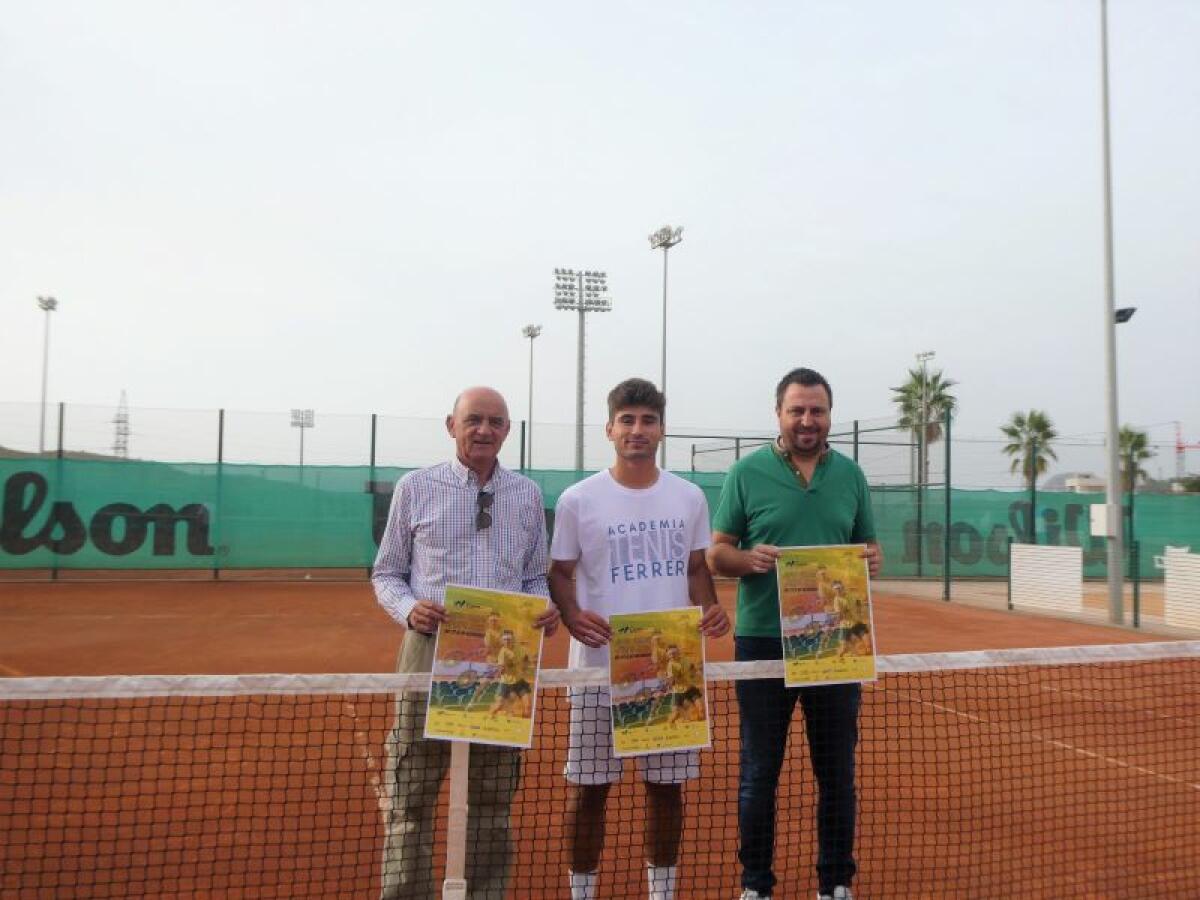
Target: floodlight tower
(922,439)
(582,292)
(47,305)
(664,239)
(302,419)
(531,332)
(1116,584)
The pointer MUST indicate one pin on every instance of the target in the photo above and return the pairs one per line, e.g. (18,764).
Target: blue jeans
(831,726)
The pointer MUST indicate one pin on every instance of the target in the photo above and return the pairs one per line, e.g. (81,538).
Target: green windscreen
(100,514)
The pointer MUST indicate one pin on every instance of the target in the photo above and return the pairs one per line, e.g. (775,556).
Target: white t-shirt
(632,545)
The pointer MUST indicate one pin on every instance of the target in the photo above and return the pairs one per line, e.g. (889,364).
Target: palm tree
(1135,449)
(1030,436)
(925,399)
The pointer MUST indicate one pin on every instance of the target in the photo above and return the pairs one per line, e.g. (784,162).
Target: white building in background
(1085,483)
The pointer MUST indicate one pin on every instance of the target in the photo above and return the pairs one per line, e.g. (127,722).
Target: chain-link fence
(219,490)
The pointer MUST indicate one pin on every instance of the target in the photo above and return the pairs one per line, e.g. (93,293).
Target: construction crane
(121,430)
(1181,449)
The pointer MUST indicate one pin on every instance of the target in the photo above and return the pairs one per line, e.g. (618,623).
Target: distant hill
(9,453)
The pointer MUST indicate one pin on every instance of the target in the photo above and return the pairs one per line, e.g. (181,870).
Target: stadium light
(923,358)
(582,292)
(1112,498)
(47,305)
(531,332)
(302,419)
(664,239)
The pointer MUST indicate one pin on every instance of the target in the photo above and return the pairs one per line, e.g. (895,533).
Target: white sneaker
(751,894)
(839,893)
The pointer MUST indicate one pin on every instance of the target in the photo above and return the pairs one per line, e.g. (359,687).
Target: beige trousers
(413,775)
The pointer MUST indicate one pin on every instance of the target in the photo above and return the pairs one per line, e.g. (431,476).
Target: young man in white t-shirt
(627,539)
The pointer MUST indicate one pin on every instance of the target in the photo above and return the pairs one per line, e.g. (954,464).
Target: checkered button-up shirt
(431,540)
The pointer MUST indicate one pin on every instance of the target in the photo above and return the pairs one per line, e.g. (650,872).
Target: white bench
(1160,561)
(1181,588)
(1049,579)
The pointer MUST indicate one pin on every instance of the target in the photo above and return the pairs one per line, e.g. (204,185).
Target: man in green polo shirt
(795,492)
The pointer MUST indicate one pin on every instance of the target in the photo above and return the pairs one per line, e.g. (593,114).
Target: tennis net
(1066,772)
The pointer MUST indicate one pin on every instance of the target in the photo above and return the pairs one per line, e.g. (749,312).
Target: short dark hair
(636,392)
(804,378)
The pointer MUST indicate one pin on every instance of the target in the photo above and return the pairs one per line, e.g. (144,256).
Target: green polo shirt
(765,501)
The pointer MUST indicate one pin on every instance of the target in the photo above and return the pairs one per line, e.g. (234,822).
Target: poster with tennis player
(656,675)
(825,615)
(485,665)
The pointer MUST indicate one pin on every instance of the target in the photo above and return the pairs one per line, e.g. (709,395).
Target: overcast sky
(356,207)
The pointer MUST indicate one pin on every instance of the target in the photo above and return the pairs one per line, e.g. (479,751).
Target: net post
(216,572)
(522,445)
(737,449)
(455,886)
(856,440)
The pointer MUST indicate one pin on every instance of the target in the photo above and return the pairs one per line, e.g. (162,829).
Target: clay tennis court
(163,625)
(1023,778)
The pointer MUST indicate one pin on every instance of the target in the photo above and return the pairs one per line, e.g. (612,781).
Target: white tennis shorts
(590,758)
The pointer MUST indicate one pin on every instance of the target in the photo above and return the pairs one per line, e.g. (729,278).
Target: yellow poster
(485,666)
(825,615)
(656,672)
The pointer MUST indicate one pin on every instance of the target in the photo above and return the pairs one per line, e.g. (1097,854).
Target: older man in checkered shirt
(468,521)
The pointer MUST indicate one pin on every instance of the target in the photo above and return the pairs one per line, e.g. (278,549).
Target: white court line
(1062,745)
(1112,760)
(1095,698)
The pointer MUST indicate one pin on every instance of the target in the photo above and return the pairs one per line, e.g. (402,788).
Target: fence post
(1135,560)
(1033,461)
(946,544)
(371,490)
(58,477)
(220,487)
(856,440)
(1135,551)
(920,516)
(1132,475)
(737,449)
(1009,567)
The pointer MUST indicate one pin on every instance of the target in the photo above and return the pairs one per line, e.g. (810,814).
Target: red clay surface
(202,627)
(981,784)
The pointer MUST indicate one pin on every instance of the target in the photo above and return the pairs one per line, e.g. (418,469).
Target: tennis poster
(485,664)
(825,615)
(656,675)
